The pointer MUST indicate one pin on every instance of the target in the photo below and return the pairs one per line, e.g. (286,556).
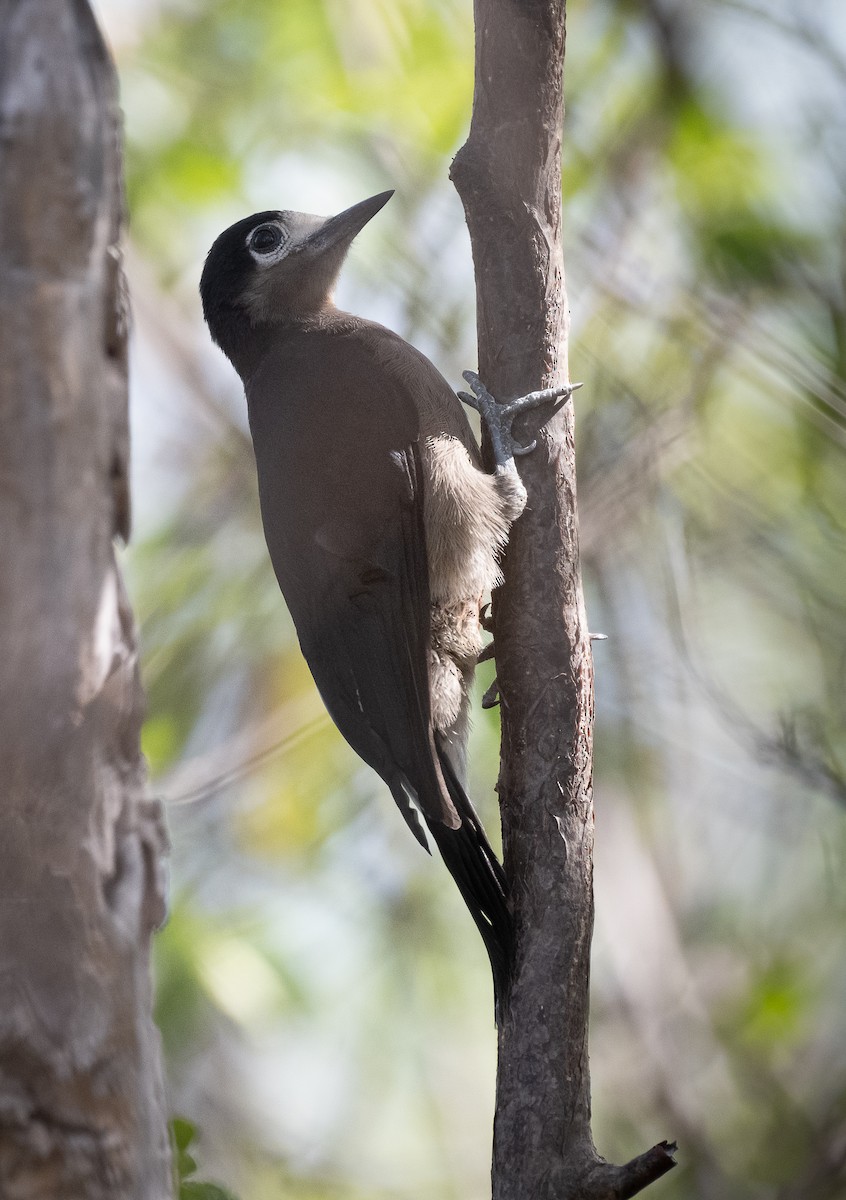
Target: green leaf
(204,1191)
(183,1134)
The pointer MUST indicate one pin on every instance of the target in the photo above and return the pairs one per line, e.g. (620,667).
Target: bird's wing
(341,487)
(337,437)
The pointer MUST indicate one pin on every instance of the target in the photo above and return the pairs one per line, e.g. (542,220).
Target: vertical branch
(82,1108)
(508,175)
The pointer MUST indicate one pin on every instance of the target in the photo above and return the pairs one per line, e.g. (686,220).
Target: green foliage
(183,1134)
(222,89)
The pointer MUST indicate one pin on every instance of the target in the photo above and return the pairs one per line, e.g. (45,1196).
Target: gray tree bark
(508,175)
(82,1110)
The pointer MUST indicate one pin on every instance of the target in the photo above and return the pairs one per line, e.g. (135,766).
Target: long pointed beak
(341,230)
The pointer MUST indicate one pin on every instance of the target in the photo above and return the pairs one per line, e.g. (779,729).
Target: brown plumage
(383,529)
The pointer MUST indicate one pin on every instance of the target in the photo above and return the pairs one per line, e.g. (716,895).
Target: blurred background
(324,999)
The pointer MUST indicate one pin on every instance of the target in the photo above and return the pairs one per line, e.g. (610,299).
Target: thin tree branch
(508,175)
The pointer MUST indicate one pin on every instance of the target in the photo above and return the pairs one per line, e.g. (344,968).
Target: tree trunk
(508,175)
(82,1109)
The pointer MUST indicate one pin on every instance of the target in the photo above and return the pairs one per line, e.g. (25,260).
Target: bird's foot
(488,652)
(499,418)
(491,697)
(486,618)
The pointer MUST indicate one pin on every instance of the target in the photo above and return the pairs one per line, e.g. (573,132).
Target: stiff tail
(481,881)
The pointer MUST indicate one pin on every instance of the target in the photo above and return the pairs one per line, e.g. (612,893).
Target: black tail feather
(481,880)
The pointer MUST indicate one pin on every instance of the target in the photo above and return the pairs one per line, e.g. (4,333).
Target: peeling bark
(508,175)
(81,852)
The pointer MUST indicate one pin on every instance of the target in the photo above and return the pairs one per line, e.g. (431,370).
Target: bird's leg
(499,418)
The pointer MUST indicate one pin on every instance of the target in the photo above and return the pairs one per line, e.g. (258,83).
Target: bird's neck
(246,344)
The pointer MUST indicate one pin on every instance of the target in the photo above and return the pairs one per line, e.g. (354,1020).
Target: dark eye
(265,239)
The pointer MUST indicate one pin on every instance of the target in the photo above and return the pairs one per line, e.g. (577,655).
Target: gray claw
(491,697)
(488,652)
(499,418)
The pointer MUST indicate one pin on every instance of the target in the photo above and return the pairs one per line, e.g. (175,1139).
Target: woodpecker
(383,528)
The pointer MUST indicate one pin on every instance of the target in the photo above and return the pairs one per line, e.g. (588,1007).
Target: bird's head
(276,267)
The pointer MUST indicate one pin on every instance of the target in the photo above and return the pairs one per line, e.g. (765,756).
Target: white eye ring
(265,239)
(268,243)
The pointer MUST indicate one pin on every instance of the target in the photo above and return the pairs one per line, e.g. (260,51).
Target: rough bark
(508,175)
(81,1096)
